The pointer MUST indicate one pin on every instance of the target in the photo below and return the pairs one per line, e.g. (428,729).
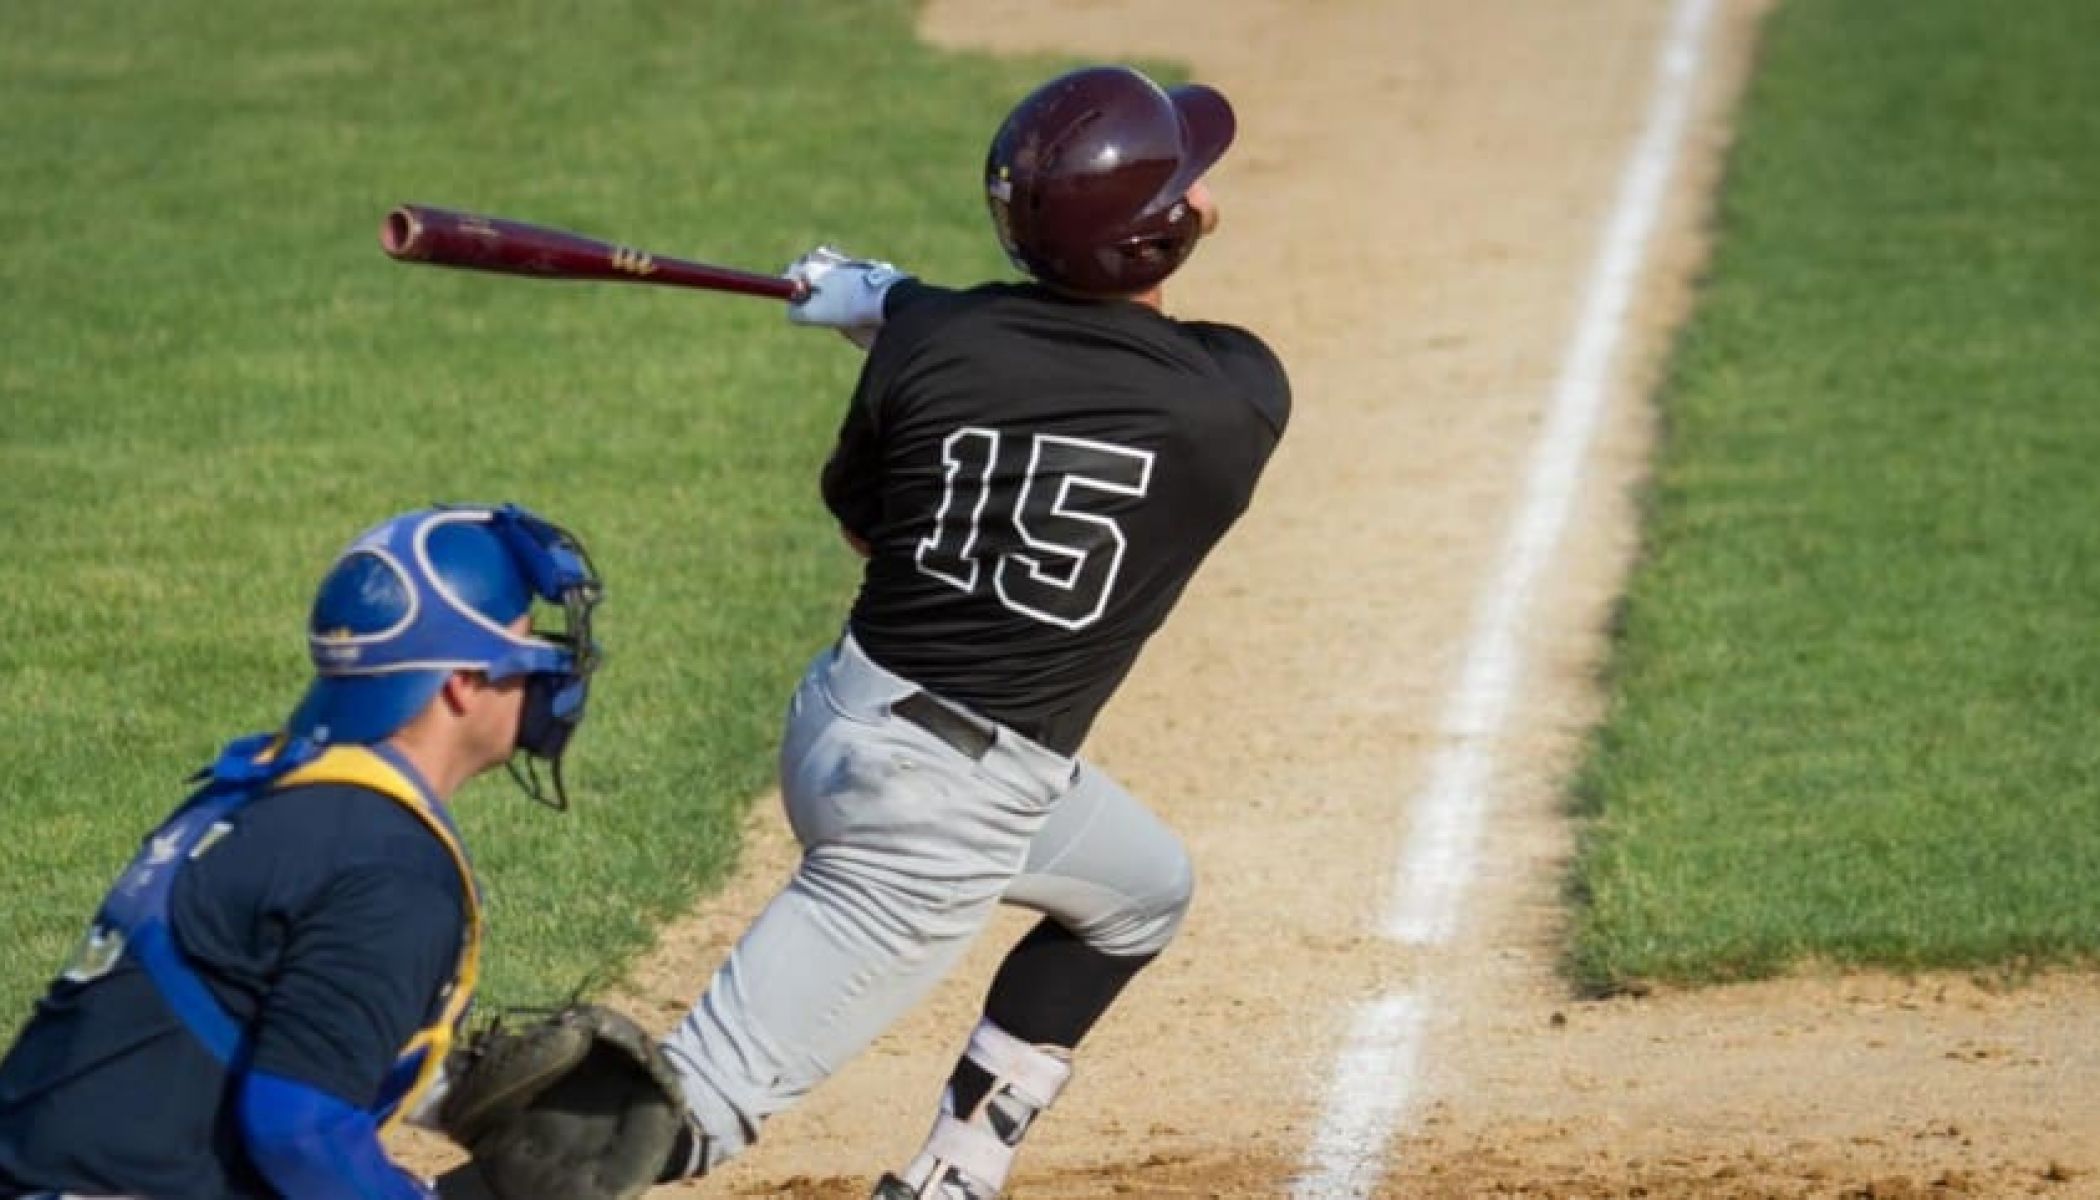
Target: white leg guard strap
(956,1144)
(981,1144)
(1035,1073)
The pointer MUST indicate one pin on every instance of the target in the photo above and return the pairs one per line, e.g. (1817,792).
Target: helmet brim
(1208,118)
(353,710)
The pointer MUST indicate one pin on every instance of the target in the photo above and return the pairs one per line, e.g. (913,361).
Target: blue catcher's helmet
(436,591)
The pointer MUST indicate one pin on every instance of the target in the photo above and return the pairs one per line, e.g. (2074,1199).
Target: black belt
(970,736)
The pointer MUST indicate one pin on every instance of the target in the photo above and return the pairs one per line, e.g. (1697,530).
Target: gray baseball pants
(907,843)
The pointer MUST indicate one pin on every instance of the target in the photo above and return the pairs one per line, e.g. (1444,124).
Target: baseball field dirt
(1418,192)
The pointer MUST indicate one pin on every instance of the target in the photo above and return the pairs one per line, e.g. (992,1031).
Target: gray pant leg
(1106,868)
(908,846)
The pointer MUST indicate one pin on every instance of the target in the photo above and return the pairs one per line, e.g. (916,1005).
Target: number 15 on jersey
(1046,548)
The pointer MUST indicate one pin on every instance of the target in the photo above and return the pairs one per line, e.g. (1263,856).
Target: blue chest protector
(133,918)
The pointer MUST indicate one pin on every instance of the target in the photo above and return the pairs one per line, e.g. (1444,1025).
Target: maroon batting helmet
(1088,178)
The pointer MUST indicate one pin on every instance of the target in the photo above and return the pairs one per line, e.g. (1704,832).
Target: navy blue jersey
(329,921)
(1038,477)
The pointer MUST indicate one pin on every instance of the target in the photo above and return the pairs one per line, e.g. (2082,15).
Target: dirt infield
(1419,188)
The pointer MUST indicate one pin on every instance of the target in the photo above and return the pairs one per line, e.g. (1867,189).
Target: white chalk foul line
(1374,1076)
(1347,1151)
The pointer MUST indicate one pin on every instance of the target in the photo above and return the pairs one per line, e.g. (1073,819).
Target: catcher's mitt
(579,1106)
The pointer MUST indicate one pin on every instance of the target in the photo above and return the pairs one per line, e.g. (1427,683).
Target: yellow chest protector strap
(424,1055)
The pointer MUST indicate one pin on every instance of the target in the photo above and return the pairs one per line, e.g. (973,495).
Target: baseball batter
(1034,472)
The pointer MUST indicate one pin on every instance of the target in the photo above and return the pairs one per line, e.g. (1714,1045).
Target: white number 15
(1051,557)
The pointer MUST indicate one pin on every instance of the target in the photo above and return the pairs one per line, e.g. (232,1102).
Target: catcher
(279,973)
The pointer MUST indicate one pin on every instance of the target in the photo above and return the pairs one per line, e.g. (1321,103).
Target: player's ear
(459,689)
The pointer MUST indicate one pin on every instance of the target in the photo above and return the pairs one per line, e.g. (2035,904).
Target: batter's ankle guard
(969,1153)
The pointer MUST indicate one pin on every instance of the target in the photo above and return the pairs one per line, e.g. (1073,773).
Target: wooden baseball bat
(472,242)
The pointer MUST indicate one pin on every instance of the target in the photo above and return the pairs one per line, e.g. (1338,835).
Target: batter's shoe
(952,1185)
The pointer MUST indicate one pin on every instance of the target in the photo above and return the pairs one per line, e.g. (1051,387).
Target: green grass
(1856,692)
(210,378)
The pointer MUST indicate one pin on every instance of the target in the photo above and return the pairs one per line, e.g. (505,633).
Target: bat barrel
(441,237)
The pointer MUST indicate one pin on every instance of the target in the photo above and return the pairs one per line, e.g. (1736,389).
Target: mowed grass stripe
(1856,691)
(210,378)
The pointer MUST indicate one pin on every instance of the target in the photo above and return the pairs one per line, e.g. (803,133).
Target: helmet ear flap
(1161,244)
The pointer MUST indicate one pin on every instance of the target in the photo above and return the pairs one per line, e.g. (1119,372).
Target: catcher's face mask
(558,674)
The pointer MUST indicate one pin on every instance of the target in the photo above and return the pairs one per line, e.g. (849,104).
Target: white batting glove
(845,293)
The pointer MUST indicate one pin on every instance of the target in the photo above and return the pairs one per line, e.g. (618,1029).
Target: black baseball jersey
(331,902)
(1038,477)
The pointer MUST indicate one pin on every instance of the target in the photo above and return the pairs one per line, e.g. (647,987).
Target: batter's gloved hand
(845,293)
(579,1106)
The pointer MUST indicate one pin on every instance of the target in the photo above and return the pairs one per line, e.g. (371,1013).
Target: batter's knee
(1146,924)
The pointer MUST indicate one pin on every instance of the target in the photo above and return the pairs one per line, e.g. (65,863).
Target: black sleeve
(361,972)
(1250,364)
(906,294)
(852,479)
(852,476)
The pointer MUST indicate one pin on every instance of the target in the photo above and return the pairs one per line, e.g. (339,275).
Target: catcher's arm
(368,950)
(311,1145)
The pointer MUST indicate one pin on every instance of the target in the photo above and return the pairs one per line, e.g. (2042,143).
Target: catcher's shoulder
(310,834)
